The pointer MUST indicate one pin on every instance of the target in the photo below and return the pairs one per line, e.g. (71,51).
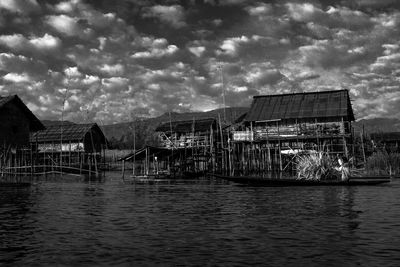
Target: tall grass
(383,163)
(316,166)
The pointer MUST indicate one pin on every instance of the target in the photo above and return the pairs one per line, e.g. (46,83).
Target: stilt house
(69,144)
(192,143)
(187,134)
(277,124)
(16,124)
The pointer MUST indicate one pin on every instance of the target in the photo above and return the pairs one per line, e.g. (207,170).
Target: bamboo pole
(123,169)
(222,145)
(279,146)
(362,147)
(93,152)
(31,160)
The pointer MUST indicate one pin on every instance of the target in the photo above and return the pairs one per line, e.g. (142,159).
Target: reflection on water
(199,222)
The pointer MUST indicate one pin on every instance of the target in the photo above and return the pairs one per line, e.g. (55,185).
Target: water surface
(202,222)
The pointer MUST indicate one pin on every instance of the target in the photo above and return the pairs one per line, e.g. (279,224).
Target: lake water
(201,222)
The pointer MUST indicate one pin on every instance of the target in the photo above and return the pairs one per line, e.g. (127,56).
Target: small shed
(17,122)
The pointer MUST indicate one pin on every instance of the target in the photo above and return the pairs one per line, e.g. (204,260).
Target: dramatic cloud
(20,6)
(173,15)
(112,59)
(65,24)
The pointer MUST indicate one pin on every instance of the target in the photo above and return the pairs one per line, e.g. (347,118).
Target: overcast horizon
(113,60)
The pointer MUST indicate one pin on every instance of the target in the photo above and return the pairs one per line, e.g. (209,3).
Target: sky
(110,61)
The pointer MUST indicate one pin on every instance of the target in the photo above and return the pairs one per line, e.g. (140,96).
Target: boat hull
(259,181)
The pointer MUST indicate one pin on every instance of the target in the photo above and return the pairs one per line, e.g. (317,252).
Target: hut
(17,122)
(69,144)
(277,125)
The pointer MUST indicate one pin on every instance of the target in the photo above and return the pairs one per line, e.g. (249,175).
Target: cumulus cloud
(258,10)
(20,6)
(47,42)
(174,15)
(230,46)
(150,58)
(156,48)
(261,76)
(17,77)
(116,69)
(18,42)
(197,50)
(66,6)
(65,24)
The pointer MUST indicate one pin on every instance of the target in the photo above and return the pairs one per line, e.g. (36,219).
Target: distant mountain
(54,123)
(378,125)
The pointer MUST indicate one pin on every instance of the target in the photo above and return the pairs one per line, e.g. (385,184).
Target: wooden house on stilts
(192,144)
(277,125)
(17,122)
(76,146)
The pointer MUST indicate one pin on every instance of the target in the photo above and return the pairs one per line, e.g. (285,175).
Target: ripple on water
(201,222)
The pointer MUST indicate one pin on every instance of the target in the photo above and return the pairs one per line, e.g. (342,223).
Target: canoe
(260,181)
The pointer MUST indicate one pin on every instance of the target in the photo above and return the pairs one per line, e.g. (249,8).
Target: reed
(316,166)
(381,162)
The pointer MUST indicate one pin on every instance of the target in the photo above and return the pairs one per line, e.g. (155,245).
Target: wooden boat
(260,181)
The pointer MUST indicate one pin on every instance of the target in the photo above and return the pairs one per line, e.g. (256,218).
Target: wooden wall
(14,129)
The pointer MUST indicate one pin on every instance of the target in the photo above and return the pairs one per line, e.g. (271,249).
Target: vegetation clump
(316,166)
(383,163)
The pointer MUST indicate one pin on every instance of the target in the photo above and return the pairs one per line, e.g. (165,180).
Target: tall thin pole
(62,122)
(61,128)
(172,161)
(223,89)
(134,148)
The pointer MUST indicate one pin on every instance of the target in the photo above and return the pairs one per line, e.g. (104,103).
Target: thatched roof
(188,126)
(70,132)
(35,124)
(326,104)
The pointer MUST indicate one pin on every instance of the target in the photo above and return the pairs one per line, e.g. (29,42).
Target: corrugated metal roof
(301,106)
(187,126)
(35,124)
(70,132)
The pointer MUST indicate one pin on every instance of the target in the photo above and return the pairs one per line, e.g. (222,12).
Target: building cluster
(28,145)
(264,139)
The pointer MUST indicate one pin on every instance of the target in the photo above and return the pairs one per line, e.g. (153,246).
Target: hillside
(377,125)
